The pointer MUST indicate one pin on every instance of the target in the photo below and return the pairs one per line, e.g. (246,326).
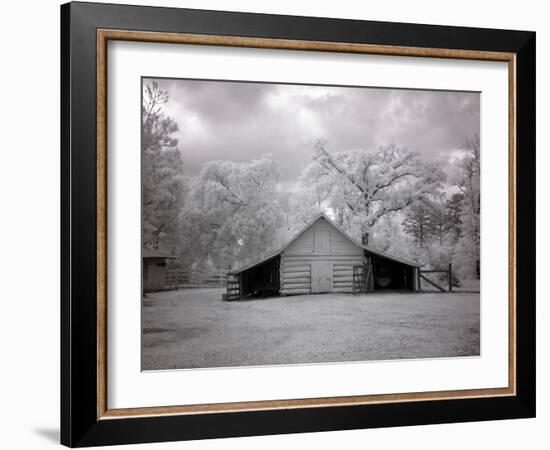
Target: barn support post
(241,285)
(371,274)
(369,283)
(281,274)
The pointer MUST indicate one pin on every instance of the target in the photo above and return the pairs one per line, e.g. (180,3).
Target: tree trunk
(340,216)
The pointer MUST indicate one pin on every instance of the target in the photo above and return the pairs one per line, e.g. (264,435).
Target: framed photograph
(277,224)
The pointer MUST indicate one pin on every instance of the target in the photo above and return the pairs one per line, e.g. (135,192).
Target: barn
(322,258)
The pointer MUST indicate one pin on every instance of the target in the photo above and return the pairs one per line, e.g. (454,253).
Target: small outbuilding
(322,258)
(154,269)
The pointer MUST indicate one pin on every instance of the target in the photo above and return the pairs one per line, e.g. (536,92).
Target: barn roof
(152,253)
(341,230)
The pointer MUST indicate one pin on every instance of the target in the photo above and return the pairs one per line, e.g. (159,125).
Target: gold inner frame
(104,35)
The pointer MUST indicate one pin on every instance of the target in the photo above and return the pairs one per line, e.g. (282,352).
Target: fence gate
(448,272)
(233,287)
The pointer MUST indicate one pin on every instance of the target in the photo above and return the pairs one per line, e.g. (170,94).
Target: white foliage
(232,213)
(368,185)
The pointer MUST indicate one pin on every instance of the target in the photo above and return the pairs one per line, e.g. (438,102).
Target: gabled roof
(341,230)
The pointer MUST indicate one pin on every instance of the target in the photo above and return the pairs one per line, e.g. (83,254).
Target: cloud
(240,121)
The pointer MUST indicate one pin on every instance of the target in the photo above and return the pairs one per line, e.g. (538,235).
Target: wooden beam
(289,287)
(298,269)
(347,279)
(301,274)
(288,281)
(295,291)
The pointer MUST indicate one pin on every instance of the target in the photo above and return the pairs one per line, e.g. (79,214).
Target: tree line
(233,213)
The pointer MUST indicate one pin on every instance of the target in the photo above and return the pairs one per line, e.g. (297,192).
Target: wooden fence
(448,272)
(183,278)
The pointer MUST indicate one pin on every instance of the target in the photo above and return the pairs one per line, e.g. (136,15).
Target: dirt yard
(195,328)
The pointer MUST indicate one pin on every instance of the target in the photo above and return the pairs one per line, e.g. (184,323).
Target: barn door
(321,277)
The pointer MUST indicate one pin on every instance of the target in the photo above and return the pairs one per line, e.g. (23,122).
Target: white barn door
(321,277)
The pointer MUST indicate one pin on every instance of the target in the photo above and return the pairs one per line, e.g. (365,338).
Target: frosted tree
(311,195)
(453,213)
(467,180)
(369,185)
(232,214)
(419,223)
(390,238)
(163,184)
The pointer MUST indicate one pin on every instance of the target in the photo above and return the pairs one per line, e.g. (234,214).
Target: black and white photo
(294,224)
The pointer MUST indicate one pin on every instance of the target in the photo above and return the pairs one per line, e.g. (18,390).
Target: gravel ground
(195,328)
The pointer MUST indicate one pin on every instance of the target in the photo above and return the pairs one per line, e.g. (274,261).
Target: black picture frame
(80,425)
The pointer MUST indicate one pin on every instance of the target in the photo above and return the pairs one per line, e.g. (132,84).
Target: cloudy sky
(241,121)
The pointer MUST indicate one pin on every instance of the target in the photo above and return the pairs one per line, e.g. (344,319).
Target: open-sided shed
(322,258)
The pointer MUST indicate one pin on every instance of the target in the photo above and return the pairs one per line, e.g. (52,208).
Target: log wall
(321,242)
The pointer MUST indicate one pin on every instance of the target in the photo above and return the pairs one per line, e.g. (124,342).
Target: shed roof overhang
(152,253)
